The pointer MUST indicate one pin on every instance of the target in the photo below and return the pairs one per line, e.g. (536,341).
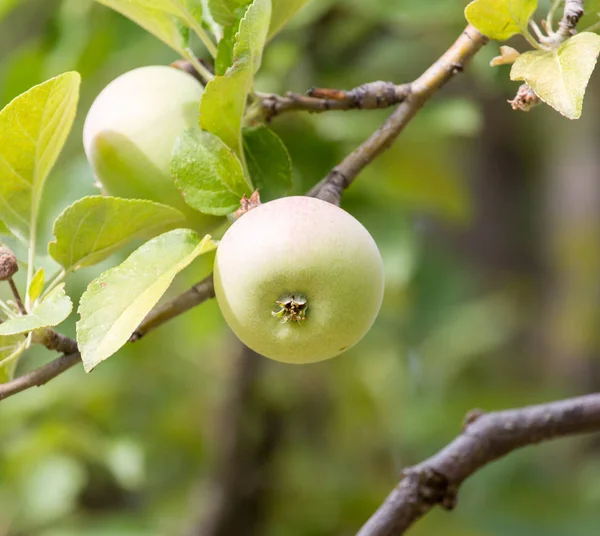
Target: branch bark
(572,13)
(447,66)
(485,438)
(369,96)
(199,293)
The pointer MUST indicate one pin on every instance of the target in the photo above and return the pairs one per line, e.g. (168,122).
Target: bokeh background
(489,224)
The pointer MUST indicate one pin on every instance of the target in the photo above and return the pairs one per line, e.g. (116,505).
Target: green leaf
(208,173)
(37,285)
(226,12)
(162,18)
(268,162)
(3,228)
(168,20)
(500,19)
(223,104)
(252,34)
(559,77)
(224,100)
(114,304)
(11,347)
(283,11)
(51,311)
(93,228)
(33,130)
(224,58)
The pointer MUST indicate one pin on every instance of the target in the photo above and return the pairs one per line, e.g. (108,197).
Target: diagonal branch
(162,313)
(485,438)
(40,375)
(448,65)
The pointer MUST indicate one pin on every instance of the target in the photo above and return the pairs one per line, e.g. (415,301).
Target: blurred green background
(489,223)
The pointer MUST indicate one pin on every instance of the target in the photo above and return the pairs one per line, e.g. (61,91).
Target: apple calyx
(291,307)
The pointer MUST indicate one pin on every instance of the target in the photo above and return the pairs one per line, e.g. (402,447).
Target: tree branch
(485,438)
(39,376)
(572,13)
(369,96)
(199,293)
(452,62)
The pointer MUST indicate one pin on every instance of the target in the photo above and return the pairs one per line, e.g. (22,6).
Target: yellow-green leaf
(559,77)
(500,19)
(168,20)
(94,227)
(11,347)
(252,34)
(33,130)
(37,285)
(115,303)
(224,100)
(223,104)
(162,18)
(51,311)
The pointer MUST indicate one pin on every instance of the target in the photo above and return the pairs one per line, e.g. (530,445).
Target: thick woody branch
(485,438)
(419,91)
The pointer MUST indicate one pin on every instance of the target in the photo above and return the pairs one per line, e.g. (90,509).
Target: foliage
(141,424)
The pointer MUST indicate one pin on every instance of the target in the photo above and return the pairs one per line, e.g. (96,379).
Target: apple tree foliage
(230,154)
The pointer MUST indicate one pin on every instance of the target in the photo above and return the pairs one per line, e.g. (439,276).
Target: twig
(196,295)
(485,438)
(451,63)
(40,375)
(572,13)
(204,75)
(369,96)
(17,296)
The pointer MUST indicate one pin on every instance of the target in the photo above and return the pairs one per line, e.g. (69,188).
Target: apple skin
(131,128)
(302,246)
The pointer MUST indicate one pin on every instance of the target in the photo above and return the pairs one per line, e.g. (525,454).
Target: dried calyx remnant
(8,264)
(291,307)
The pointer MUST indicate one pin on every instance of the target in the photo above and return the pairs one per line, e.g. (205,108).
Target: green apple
(298,280)
(131,128)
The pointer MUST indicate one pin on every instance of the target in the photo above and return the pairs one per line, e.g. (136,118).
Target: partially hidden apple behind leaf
(130,130)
